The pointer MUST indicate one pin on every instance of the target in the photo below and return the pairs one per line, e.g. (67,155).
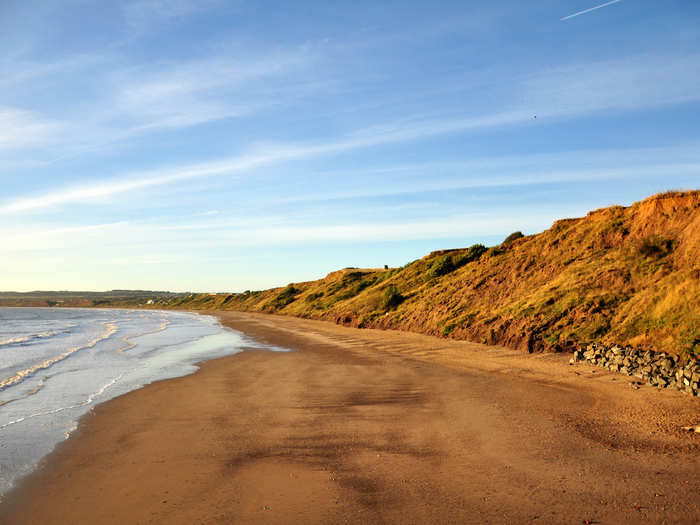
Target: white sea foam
(32,392)
(130,344)
(39,386)
(27,338)
(72,429)
(86,402)
(22,374)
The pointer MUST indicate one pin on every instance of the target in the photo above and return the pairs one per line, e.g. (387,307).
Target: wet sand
(366,426)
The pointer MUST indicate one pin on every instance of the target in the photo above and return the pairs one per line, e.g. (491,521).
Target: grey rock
(657,368)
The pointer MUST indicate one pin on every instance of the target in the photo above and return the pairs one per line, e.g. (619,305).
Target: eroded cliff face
(623,275)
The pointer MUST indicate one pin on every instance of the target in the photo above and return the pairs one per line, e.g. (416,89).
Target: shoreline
(101,365)
(315,421)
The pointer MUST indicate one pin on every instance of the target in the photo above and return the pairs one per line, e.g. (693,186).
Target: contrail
(590,9)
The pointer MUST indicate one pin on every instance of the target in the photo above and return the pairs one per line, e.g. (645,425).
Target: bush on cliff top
(448,263)
(441,266)
(513,237)
(474,252)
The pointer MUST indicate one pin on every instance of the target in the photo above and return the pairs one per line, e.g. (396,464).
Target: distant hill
(82,299)
(625,275)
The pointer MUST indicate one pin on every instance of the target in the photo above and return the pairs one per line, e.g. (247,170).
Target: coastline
(372,426)
(59,364)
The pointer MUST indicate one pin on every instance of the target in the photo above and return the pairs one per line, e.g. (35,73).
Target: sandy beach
(365,426)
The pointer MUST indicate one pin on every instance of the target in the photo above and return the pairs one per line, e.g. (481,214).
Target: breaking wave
(23,374)
(87,401)
(130,344)
(34,337)
(27,338)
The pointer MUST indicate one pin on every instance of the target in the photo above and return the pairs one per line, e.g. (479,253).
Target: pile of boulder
(656,368)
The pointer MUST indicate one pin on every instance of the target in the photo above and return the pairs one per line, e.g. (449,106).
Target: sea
(56,364)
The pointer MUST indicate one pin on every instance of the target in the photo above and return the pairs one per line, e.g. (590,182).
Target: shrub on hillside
(441,266)
(655,247)
(285,297)
(472,254)
(355,289)
(690,343)
(618,225)
(448,329)
(391,298)
(313,296)
(448,263)
(513,237)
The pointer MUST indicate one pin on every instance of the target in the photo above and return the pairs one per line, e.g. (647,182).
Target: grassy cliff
(628,275)
(625,275)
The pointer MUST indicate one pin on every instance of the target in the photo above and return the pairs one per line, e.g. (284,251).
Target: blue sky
(230,145)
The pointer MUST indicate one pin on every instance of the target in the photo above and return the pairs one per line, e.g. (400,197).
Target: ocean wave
(130,344)
(36,389)
(23,374)
(31,337)
(89,400)
(41,335)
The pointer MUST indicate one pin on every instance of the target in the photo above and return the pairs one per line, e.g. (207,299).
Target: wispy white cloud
(49,238)
(268,156)
(121,101)
(606,4)
(139,14)
(557,94)
(221,87)
(133,101)
(165,95)
(54,258)
(19,71)
(20,128)
(137,181)
(204,90)
(432,228)
(129,100)
(643,81)
(414,181)
(187,93)
(115,236)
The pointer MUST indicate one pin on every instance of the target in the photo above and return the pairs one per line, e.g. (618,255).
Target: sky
(220,146)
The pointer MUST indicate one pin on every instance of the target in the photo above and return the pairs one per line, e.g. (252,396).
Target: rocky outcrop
(656,368)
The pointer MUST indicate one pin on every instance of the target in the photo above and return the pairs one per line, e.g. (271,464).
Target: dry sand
(365,426)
